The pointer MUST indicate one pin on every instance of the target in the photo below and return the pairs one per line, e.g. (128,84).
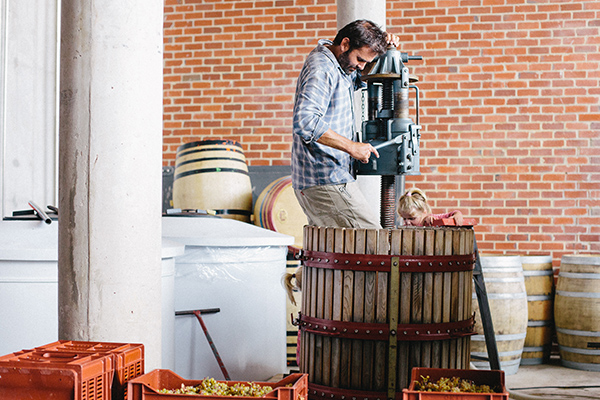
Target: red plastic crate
(494,379)
(56,375)
(128,360)
(146,387)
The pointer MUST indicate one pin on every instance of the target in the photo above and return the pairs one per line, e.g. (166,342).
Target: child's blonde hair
(413,200)
(292,282)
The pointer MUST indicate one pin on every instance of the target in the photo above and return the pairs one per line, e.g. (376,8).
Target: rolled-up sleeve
(313,96)
(323,101)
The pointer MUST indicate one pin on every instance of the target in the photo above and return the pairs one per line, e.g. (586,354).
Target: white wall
(28,108)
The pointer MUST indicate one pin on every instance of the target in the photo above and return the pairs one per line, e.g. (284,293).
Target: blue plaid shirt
(324,100)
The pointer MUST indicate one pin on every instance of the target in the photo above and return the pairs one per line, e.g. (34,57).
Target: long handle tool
(198,314)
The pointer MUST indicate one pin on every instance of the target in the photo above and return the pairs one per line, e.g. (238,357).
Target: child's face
(413,218)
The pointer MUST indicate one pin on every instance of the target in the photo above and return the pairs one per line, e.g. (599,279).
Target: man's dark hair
(361,33)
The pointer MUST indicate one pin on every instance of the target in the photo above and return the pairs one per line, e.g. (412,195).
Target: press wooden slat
(315,281)
(418,248)
(396,248)
(305,242)
(380,367)
(328,312)
(438,298)
(336,343)
(319,241)
(307,294)
(465,288)
(347,303)
(457,295)
(358,312)
(428,296)
(370,303)
(405,308)
(313,307)
(447,302)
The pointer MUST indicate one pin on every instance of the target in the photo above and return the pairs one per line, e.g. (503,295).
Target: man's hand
(393,39)
(362,152)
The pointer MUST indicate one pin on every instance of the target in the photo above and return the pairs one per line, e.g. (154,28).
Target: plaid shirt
(324,100)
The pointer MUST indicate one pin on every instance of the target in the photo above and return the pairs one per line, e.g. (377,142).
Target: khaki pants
(340,206)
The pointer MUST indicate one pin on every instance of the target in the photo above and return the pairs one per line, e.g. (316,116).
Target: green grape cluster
(454,384)
(212,387)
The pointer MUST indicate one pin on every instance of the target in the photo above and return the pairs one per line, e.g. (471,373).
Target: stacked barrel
(577,311)
(507,298)
(212,176)
(571,310)
(539,284)
(277,209)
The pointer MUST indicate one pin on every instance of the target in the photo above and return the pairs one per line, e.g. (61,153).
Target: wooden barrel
(507,298)
(376,303)
(577,311)
(277,209)
(539,285)
(213,175)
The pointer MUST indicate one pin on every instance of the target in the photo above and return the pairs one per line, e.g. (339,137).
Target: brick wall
(509,102)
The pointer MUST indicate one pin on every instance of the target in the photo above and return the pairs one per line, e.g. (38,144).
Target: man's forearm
(337,141)
(358,150)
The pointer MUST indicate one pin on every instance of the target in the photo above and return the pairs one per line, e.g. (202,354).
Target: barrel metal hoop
(232,211)
(383,262)
(379,331)
(331,393)
(228,145)
(182,163)
(209,170)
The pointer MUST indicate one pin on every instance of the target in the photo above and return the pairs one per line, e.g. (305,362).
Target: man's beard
(344,61)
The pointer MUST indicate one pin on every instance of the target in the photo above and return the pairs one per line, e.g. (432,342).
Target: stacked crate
(73,370)
(492,378)
(151,386)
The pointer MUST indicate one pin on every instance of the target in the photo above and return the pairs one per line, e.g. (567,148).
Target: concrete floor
(549,381)
(553,382)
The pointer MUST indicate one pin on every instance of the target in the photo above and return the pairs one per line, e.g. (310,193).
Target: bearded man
(324,136)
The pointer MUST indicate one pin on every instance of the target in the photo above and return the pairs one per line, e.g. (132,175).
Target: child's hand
(428,220)
(458,218)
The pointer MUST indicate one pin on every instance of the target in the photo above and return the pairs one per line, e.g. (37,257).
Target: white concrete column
(373,10)
(351,10)
(110,173)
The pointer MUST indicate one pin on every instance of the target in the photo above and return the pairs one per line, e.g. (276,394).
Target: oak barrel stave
(539,284)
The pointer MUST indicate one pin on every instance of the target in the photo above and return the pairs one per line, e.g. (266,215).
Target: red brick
(484,129)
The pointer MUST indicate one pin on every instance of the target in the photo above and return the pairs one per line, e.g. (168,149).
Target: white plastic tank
(29,287)
(28,284)
(236,267)
(170,250)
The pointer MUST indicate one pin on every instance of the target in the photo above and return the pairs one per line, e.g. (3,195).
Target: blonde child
(413,208)
(292,282)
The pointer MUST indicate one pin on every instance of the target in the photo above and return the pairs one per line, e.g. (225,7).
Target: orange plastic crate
(146,387)
(128,359)
(494,379)
(56,375)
